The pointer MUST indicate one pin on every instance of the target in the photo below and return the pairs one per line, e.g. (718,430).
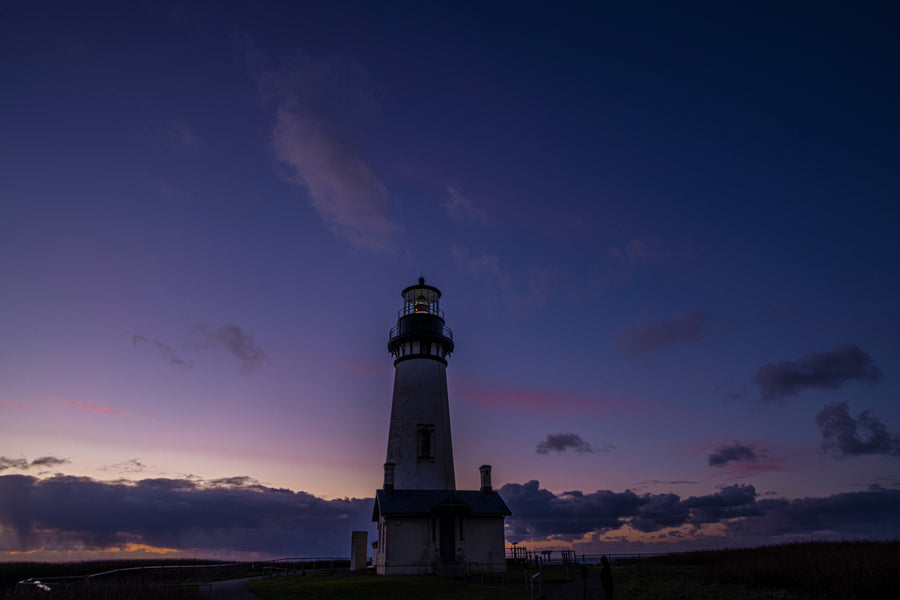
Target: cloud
(538,514)
(869,514)
(821,370)
(235,515)
(461,210)
(13,463)
(550,400)
(164,349)
(132,465)
(180,133)
(314,102)
(231,337)
(95,408)
(619,263)
(844,436)
(634,252)
(23,464)
(11,405)
(732,392)
(49,461)
(239,343)
(734,453)
(499,281)
(653,335)
(560,442)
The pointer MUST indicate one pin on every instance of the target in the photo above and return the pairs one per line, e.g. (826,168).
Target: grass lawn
(865,570)
(668,582)
(368,586)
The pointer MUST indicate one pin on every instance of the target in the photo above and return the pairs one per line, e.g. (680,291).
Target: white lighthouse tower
(426,525)
(419,445)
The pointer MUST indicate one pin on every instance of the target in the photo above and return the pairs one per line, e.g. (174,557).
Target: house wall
(484,543)
(405,546)
(410,545)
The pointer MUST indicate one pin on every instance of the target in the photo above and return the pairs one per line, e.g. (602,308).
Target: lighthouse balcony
(421,328)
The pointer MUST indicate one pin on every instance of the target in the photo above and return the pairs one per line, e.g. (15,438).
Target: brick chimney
(485,478)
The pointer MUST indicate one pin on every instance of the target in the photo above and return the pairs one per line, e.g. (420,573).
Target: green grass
(368,586)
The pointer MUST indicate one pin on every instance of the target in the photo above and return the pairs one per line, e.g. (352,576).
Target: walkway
(233,589)
(575,589)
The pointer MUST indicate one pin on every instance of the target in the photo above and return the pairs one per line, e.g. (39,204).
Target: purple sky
(666,238)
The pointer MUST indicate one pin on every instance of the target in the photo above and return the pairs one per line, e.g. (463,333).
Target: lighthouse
(426,525)
(419,443)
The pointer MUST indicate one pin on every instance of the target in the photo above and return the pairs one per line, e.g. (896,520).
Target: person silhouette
(606,578)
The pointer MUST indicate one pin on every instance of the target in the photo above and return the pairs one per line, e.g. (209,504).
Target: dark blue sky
(665,236)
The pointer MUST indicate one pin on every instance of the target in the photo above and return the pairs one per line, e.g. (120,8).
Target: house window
(425,442)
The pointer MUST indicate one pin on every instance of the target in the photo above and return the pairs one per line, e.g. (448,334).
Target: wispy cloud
(231,337)
(633,252)
(462,210)
(133,465)
(180,132)
(843,436)
(13,463)
(648,336)
(314,101)
(547,400)
(49,461)
(11,405)
(561,442)
(342,187)
(23,464)
(94,408)
(164,349)
(499,281)
(820,370)
(619,263)
(239,343)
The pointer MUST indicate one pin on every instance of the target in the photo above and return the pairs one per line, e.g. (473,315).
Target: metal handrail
(445,332)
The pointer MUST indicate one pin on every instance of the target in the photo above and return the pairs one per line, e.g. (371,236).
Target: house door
(448,538)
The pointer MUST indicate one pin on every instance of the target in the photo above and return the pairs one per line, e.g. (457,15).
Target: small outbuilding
(428,531)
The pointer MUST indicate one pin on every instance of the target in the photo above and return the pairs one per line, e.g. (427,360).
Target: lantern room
(420,330)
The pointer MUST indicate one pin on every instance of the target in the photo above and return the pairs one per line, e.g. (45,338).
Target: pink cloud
(94,407)
(545,400)
(342,187)
(11,405)
(370,369)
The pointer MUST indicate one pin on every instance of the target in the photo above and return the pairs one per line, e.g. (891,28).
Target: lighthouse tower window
(424,442)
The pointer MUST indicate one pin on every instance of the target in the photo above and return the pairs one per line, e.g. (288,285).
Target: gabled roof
(411,503)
